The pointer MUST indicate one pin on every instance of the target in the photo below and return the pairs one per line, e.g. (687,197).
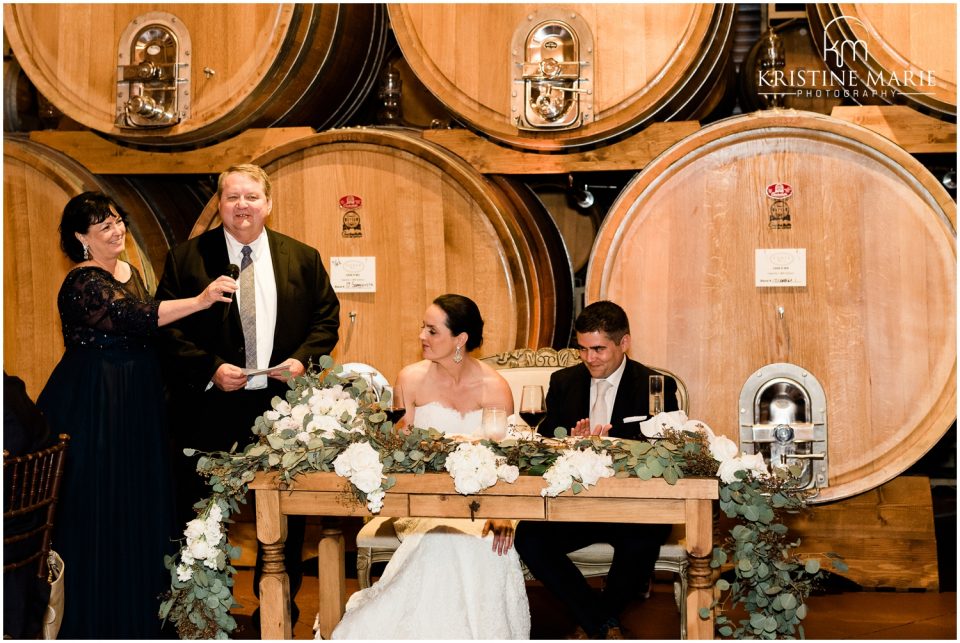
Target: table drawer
(449,506)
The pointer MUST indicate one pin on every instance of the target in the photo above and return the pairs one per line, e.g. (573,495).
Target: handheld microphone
(233,271)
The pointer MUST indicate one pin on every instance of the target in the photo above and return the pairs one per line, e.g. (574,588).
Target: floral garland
(331,421)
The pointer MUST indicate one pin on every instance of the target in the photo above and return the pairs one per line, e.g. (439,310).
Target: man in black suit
(606,394)
(284,315)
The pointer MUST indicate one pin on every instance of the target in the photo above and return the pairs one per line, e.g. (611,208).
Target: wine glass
(656,394)
(532,409)
(391,403)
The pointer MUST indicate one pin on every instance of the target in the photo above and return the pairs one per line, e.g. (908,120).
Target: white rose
(213,535)
(375,500)
(285,423)
(592,466)
(194,529)
(271,415)
(323,400)
(187,558)
(282,407)
(184,573)
(367,480)
(324,424)
(347,405)
(723,448)
(473,467)
(298,413)
(199,549)
(508,473)
(305,436)
(558,481)
(755,462)
(211,560)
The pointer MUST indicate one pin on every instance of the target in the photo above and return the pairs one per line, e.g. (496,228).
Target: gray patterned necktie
(598,414)
(248,307)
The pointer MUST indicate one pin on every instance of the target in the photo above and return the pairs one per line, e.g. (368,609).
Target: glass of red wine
(391,403)
(532,408)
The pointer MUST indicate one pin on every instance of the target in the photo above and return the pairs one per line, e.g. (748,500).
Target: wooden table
(689,502)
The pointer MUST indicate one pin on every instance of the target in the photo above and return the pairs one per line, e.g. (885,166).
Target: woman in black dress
(115,517)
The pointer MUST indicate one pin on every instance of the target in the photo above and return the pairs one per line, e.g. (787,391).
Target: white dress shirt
(614,380)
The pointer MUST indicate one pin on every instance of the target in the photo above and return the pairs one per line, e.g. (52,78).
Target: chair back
(31,489)
(530,366)
(534,366)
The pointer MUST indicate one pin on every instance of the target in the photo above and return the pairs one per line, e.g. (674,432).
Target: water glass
(493,423)
(656,394)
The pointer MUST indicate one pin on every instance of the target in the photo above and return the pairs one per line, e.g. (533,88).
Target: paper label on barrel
(353,274)
(781,267)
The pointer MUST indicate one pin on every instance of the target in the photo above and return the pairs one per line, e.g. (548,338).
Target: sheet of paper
(250,372)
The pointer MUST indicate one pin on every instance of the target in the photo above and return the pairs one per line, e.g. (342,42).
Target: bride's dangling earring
(86,252)
(458,355)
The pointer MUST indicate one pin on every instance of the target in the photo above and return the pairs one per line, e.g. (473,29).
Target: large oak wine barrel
(37,183)
(577,224)
(904,53)
(248,65)
(875,323)
(433,224)
(650,62)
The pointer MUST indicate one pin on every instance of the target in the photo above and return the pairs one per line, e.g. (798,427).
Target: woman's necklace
(112,271)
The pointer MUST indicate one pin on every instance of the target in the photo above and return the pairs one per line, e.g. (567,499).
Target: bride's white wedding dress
(444,581)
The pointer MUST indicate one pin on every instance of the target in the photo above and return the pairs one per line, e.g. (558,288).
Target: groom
(606,394)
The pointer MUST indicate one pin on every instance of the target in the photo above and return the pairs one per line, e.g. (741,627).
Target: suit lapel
(580,400)
(213,253)
(280,257)
(629,399)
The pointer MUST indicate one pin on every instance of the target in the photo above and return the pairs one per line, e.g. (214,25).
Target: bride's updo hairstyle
(463,316)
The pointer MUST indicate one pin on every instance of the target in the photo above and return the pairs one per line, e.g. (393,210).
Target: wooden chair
(31,488)
(377,539)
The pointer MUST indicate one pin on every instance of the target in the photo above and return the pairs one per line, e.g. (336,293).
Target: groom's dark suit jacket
(568,399)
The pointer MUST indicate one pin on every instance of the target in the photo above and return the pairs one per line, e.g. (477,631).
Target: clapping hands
(583,428)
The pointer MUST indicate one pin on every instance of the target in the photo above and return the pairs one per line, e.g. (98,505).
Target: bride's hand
(502,535)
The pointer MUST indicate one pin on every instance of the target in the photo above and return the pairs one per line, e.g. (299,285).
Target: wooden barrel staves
(904,53)
(875,322)
(37,183)
(237,65)
(611,68)
(428,223)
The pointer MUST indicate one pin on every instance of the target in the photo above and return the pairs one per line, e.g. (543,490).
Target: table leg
(332,577)
(274,584)
(699,527)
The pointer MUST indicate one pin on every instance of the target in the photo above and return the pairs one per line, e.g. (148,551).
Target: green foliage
(770,585)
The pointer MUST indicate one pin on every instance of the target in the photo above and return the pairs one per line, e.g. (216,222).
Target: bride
(449,579)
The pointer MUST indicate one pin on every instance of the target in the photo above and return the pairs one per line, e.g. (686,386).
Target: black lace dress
(115,517)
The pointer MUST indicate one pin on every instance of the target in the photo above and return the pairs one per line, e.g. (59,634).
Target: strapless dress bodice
(434,415)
